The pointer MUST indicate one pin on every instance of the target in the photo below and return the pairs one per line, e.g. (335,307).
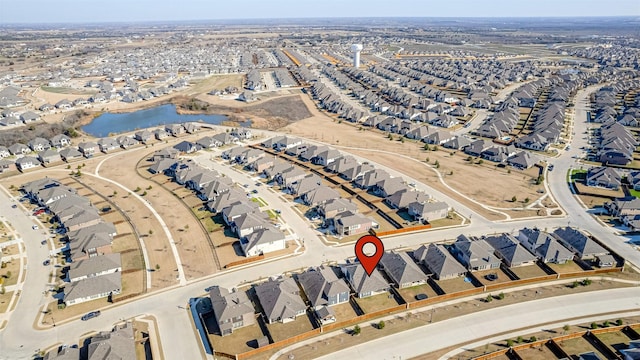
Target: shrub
(137,189)
(437,164)
(594,325)
(619,322)
(566,328)
(357,330)
(533,339)
(8,275)
(514,199)
(519,339)
(606,323)
(489,298)
(157,266)
(509,343)
(501,296)
(575,284)
(586,282)
(526,200)
(426,147)
(381,325)
(149,187)
(144,193)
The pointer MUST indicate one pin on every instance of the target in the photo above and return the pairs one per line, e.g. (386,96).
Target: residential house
(388,186)
(305,185)
(364,285)
(60,141)
(39,144)
(576,241)
(107,144)
(510,251)
(323,287)
(623,207)
(27,162)
(545,246)
(19,149)
(119,343)
(263,240)
(333,207)
(160,134)
(143,136)
(187,147)
(94,266)
(522,160)
(402,198)
(174,129)
(280,300)
(428,211)
(320,195)
(225,138)
(126,142)
(439,261)
(349,223)
(49,156)
(6,166)
(475,254)
(4,152)
(603,177)
(235,210)
(369,179)
(208,142)
(92,288)
(68,154)
(87,148)
(246,224)
(402,270)
(231,309)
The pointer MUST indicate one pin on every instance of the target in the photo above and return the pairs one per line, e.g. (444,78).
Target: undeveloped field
(578,346)
(5,299)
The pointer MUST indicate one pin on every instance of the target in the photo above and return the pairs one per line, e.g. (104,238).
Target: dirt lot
(502,277)
(567,267)
(579,346)
(376,303)
(240,341)
(526,272)
(454,285)
(4,301)
(281,331)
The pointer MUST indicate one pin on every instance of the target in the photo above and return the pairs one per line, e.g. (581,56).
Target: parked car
(254,191)
(14,206)
(43,242)
(35,227)
(46,262)
(90,315)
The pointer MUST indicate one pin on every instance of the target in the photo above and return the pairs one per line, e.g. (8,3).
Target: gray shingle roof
(280,298)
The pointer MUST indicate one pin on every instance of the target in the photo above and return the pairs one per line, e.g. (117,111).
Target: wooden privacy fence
(244,261)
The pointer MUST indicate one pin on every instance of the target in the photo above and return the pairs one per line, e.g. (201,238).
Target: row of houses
(253,227)
(395,191)
(94,271)
(615,144)
(324,287)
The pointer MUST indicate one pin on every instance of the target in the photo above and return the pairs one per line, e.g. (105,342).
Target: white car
(35,227)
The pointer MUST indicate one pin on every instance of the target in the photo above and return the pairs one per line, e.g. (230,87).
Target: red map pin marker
(369,263)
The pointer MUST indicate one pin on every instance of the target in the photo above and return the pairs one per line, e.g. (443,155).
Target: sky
(90,11)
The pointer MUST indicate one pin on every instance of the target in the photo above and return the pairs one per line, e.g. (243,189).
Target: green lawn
(578,175)
(259,200)
(635,193)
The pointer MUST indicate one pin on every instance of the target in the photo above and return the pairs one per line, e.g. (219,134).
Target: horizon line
(515,17)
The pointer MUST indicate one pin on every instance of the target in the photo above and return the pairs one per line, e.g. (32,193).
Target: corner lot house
(262,241)
(604,177)
(92,288)
(232,310)
(118,343)
(280,300)
(579,243)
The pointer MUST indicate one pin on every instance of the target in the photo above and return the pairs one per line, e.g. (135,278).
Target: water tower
(356,48)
